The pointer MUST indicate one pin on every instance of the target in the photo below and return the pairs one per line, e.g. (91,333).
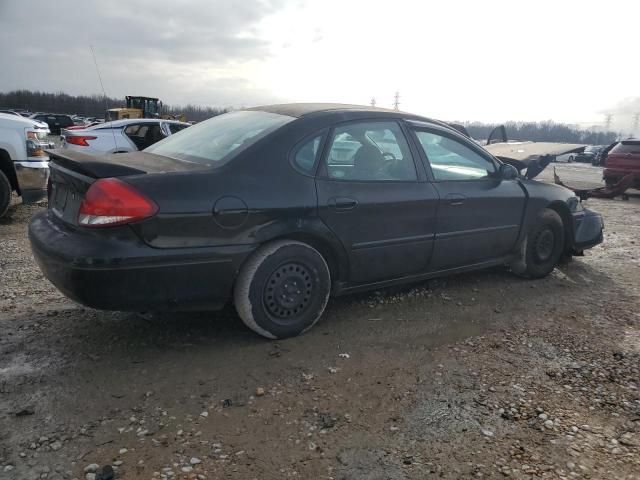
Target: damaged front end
(531,157)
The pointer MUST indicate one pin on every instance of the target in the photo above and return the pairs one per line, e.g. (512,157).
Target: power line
(607,122)
(396,101)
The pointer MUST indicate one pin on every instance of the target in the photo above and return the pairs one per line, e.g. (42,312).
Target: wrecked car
(277,208)
(623,160)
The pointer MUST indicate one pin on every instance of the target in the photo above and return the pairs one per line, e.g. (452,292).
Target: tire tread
(245,277)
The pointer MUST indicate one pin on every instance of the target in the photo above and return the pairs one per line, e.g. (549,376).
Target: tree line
(543,132)
(96,105)
(90,105)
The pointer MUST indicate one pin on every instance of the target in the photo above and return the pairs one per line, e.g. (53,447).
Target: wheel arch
(6,166)
(312,231)
(562,209)
(324,247)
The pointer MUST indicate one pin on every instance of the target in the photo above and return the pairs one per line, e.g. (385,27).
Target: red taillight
(79,140)
(110,201)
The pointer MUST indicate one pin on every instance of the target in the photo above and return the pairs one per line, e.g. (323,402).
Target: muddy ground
(482,375)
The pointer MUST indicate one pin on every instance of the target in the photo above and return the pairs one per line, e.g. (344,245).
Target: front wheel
(283,289)
(543,246)
(5,193)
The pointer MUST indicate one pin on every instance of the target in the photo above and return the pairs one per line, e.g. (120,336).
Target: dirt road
(481,375)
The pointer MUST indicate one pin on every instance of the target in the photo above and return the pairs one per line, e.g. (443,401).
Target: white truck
(24,164)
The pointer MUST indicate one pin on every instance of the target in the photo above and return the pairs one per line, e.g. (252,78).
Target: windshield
(217,140)
(591,149)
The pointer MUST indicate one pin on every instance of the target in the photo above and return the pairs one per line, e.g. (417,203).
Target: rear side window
(136,130)
(370,151)
(627,146)
(306,155)
(219,139)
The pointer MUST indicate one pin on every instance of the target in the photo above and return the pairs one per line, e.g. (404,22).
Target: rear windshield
(217,140)
(627,146)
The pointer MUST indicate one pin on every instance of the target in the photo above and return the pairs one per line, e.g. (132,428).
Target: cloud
(154,47)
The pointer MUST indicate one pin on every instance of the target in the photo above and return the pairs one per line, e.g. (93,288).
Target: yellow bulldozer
(141,107)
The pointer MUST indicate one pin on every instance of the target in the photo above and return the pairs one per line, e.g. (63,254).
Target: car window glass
(305,157)
(627,147)
(370,151)
(132,130)
(176,127)
(219,139)
(451,160)
(153,134)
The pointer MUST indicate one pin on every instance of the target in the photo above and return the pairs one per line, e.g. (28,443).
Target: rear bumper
(588,229)
(120,272)
(32,176)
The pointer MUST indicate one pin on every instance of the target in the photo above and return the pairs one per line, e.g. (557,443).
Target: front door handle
(342,203)
(455,199)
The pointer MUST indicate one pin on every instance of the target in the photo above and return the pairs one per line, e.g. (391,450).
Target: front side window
(370,151)
(451,160)
(176,127)
(219,139)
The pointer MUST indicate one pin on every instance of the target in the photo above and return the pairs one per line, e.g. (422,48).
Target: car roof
(25,120)
(301,109)
(129,121)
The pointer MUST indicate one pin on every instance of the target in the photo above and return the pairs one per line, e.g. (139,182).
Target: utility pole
(396,101)
(607,121)
(636,122)
(373,101)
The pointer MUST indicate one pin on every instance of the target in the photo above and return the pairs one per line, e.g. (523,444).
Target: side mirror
(508,172)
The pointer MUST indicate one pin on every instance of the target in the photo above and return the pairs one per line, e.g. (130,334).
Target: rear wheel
(5,193)
(543,247)
(283,289)
(570,160)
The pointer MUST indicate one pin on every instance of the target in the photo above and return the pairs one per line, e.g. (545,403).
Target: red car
(622,160)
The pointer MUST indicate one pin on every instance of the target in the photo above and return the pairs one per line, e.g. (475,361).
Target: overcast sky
(460,60)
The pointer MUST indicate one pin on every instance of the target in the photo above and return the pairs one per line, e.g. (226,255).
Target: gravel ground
(481,375)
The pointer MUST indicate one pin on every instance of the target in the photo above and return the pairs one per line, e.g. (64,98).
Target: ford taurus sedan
(277,208)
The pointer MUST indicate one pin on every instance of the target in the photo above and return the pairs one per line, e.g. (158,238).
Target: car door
(479,215)
(378,204)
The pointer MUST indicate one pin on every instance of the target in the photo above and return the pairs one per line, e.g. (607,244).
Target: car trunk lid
(72,173)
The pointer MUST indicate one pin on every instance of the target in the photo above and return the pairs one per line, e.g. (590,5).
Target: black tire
(283,289)
(5,193)
(570,160)
(543,247)
(609,182)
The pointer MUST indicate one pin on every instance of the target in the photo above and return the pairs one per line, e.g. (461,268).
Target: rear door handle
(455,199)
(342,203)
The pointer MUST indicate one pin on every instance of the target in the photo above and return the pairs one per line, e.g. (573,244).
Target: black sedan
(277,208)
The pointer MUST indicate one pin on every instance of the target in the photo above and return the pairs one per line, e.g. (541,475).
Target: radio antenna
(104,94)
